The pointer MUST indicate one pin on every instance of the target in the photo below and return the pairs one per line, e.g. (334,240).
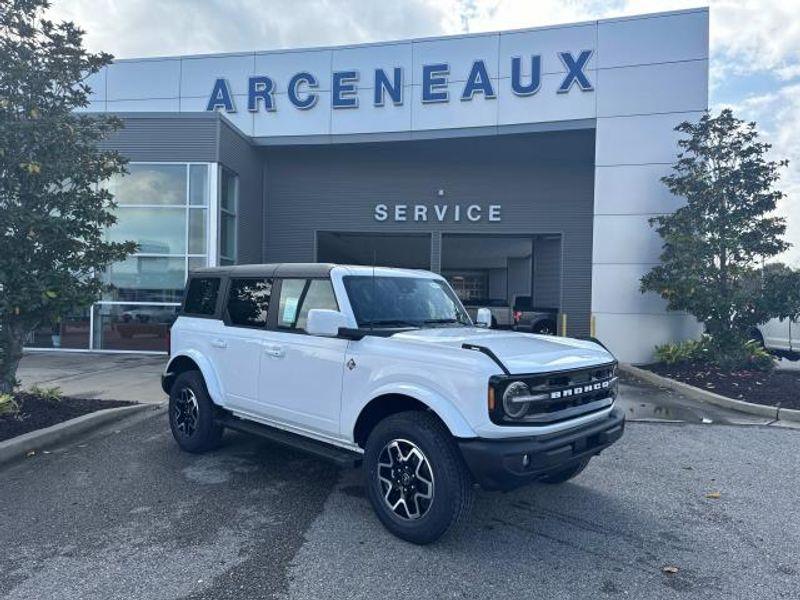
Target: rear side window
(201,298)
(248,302)
(298,296)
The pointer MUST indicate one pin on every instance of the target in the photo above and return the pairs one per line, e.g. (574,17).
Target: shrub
(51,394)
(8,405)
(729,354)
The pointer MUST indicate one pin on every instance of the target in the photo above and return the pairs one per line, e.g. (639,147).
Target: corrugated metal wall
(237,154)
(544,182)
(172,137)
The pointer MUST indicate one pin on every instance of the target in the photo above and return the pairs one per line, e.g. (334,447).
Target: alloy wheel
(186,412)
(405,477)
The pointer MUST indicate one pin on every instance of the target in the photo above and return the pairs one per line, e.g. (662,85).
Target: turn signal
(491,399)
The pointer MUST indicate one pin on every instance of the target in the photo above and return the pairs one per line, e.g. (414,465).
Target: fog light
(526,460)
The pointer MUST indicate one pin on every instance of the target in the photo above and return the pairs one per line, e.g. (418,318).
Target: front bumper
(499,464)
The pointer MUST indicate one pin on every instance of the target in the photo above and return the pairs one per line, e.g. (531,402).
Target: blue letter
(260,88)
(394,89)
(221,97)
(433,80)
(516,76)
(478,81)
(294,85)
(344,89)
(575,71)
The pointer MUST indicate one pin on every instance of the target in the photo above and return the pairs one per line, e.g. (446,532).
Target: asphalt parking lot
(125,514)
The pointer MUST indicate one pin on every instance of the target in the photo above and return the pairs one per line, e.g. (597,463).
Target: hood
(519,352)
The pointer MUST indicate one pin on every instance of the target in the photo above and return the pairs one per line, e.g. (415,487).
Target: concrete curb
(695,393)
(60,432)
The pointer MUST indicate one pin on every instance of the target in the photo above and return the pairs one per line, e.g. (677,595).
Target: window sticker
(290,310)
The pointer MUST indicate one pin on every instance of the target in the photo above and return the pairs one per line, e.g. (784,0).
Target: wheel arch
(192,361)
(389,402)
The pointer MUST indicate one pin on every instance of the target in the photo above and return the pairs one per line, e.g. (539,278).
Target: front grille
(565,395)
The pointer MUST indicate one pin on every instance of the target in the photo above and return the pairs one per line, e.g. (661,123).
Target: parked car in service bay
(383,367)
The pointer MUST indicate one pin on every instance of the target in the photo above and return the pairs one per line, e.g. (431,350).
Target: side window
(248,302)
(201,297)
(298,296)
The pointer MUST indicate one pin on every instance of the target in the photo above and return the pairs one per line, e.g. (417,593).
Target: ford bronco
(384,368)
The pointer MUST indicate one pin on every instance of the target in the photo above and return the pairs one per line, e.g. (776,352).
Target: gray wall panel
(237,154)
(545,183)
(148,137)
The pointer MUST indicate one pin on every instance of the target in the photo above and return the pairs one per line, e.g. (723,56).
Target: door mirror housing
(484,318)
(324,322)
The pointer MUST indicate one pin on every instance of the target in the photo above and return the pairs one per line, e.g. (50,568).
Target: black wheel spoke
(405,478)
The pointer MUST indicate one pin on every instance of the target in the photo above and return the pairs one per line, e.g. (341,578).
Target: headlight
(515,409)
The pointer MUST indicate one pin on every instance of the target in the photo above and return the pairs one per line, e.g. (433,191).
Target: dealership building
(519,164)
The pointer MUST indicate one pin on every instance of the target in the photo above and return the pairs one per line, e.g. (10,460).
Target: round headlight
(513,409)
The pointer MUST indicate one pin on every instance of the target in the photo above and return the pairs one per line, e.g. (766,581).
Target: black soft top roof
(268,270)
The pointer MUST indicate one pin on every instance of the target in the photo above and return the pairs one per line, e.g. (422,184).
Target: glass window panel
(198,185)
(133,326)
(228,191)
(197,231)
(147,279)
(248,302)
(201,299)
(319,295)
(227,239)
(69,332)
(291,291)
(156,230)
(197,262)
(151,184)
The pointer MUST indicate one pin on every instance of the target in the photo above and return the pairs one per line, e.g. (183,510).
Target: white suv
(384,367)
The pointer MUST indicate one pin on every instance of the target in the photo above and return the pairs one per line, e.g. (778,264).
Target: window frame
(223,259)
(226,317)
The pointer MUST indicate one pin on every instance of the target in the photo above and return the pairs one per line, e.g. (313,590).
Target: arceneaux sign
(388,87)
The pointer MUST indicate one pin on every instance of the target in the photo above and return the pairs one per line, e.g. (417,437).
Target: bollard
(563,324)
(593,326)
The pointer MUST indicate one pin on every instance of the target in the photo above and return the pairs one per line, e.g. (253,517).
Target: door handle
(276,351)
(218,343)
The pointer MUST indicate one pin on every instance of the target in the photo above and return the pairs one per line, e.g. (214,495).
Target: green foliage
(51,394)
(745,355)
(714,245)
(8,405)
(781,287)
(54,209)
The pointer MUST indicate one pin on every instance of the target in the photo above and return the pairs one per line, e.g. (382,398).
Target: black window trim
(226,317)
(221,292)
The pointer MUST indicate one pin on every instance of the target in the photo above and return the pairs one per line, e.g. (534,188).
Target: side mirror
(324,322)
(484,318)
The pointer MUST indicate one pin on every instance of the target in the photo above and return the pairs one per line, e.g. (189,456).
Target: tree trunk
(11,339)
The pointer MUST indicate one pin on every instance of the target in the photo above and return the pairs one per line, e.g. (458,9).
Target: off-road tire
(452,489)
(206,433)
(566,474)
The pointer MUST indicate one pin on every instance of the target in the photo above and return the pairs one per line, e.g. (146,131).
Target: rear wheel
(416,480)
(191,414)
(566,474)
(545,328)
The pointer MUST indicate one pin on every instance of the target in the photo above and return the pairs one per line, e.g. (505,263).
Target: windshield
(403,302)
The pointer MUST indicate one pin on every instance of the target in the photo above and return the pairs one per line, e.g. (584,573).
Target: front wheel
(416,479)
(191,414)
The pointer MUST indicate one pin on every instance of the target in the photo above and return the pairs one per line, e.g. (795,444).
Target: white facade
(646,74)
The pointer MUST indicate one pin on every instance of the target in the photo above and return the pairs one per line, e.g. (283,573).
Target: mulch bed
(778,388)
(37,413)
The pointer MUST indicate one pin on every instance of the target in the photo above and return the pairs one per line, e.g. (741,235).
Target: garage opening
(517,277)
(407,251)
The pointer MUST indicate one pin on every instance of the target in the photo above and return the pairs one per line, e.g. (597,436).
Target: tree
(715,244)
(781,297)
(53,207)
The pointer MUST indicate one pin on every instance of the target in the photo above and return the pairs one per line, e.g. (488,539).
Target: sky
(755,44)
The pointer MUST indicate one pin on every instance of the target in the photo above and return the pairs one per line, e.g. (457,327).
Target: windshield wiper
(387,322)
(442,321)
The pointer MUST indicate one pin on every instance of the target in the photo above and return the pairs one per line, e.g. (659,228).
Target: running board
(341,457)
